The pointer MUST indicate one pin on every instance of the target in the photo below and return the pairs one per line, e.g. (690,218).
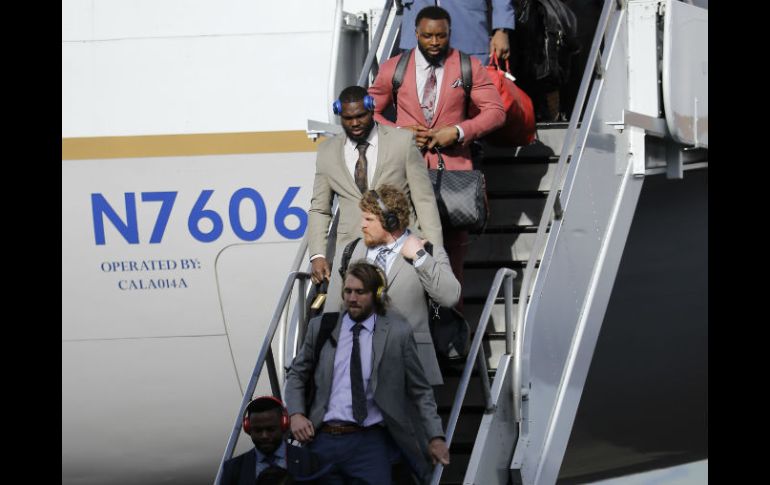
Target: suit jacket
(470,32)
(398,164)
(240,470)
(398,380)
(406,287)
(450,110)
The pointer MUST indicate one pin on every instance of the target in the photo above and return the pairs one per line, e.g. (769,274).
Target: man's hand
(320,270)
(302,428)
(421,134)
(437,449)
(443,137)
(500,45)
(411,246)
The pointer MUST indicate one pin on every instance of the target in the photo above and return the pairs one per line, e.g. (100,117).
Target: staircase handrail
(553,205)
(265,356)
(476,354)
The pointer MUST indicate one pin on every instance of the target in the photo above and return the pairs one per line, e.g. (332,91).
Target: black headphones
(368,105)
(389,218)
(284,414)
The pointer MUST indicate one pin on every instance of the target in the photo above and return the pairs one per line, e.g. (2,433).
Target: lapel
(383,132)
(451,73)
(379,338)
(346,175)
(398,264)
(249,468)
(334,337)
(408,92)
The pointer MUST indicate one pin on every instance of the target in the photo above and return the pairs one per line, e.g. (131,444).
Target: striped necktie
(380,259)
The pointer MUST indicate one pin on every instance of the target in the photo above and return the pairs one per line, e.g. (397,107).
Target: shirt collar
(279,454)
(368,323)
(422,63)
(394,245)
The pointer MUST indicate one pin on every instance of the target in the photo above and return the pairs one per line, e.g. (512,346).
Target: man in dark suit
(367,373)
(266,422)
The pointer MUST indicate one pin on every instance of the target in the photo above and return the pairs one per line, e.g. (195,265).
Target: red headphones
(284,414)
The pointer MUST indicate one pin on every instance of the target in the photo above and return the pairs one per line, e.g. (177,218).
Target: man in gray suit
(366,156)
(411,271)
(366,374)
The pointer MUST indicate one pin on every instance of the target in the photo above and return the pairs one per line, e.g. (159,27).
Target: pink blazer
(450,109)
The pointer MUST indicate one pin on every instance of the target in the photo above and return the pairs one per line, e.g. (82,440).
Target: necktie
(380,259)
(429,95)
(360,172)
(357,379)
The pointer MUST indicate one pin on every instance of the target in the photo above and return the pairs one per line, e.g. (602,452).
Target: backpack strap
(328,321)
(347,253)
(398,76)
(467,78)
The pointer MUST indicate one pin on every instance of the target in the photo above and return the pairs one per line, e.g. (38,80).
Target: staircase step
(519,176)
(445,394)
(472,308)
(476,282)
(518,212)
(500,247)
(517,194)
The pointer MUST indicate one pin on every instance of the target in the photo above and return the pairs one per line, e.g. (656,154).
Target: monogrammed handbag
(461,197)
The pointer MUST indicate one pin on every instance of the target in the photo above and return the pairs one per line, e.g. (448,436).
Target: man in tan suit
(366,156)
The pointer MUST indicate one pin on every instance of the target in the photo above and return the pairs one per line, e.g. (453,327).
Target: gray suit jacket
(406,287)
(399,164)
(397,379)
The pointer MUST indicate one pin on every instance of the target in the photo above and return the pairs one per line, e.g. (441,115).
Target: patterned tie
(380,259)
(429,95)
(357,379)
(360,172)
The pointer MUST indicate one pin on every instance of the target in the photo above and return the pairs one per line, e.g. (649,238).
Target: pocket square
(458,83)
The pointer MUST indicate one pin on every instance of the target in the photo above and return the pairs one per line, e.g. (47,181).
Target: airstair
(540,278)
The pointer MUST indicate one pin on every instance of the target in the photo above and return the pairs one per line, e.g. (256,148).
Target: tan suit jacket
(399,164)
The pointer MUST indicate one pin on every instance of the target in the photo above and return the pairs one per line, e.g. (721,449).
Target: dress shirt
(341,398)
(422,70)
(280,459)
(394,251)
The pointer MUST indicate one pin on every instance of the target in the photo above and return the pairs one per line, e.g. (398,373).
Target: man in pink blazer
(431,102)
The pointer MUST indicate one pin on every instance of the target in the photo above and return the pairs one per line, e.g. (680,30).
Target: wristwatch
(420,254)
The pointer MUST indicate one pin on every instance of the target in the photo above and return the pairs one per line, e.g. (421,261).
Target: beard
(371,242)
(438,58)
(364,135)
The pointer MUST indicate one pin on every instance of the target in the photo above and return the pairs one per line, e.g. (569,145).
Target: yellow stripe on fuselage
(185,145)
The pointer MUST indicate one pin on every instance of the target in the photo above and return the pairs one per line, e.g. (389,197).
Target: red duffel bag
(519,127)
